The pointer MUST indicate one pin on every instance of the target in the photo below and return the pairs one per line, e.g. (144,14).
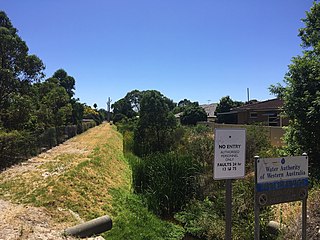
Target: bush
(167,181)
(61,134)
(128,142)
(257,143)
(201,220)
(15,147)
(200,145)
(48,138)
(87,125)
(71,130)
(79,128)
(205,219)
(119,117)
(127,125)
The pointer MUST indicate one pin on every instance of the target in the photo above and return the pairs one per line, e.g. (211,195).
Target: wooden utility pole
(109,109)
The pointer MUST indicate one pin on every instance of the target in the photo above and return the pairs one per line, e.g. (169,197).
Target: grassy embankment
(91,179)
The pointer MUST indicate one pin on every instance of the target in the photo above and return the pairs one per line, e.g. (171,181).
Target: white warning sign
(229,153)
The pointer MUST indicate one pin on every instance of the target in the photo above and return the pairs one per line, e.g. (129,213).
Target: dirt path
(20,221)
(24,222)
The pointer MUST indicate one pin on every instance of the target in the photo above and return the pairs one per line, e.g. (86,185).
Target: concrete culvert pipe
(273,227)
(90,228)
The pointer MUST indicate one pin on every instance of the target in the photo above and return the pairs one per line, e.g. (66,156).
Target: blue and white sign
(281,173)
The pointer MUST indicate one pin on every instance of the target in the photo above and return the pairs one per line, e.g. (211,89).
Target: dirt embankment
(25,221)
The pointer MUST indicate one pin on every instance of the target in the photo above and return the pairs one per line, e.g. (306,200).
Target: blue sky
(200,50)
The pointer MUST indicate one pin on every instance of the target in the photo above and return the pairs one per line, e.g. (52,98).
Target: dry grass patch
(76,175)
(289,215)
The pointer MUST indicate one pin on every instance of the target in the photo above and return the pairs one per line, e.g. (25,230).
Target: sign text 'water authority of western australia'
(281,179)
(230,151)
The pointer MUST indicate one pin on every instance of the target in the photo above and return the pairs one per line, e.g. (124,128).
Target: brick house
(267,112)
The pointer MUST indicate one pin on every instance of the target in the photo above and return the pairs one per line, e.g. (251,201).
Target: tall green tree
(55,108)
(65,81)
(134,97)
(68,83)
(18,70)
(155,126)
(130,105)
(192,115)
(225,105)
(123,107)
(301,93)
(183,105)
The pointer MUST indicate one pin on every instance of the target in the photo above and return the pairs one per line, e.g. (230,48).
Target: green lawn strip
(132,220)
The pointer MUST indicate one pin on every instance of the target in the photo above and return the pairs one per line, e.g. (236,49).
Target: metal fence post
(256,206)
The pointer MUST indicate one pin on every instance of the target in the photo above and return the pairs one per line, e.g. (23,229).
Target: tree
(134,97)
(77,111)
(192,115)
(183,105)
(225,105)
(155,126)
(65,81)
(17,71)
(127,107)
(54,108)
(123,107)
(19,115)
(103,113)
(310,34)
(301,94)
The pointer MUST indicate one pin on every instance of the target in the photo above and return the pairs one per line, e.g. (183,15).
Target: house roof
(210,109)
(272,104)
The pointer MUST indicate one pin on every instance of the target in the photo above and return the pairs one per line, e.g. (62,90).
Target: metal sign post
(228,230)
(229,163)
(304,219)
(256,206)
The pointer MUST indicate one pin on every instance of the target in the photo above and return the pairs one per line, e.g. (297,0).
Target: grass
(90,185)
(289,215)
(134,221)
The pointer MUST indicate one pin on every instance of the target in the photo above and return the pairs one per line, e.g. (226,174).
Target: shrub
(71,130)
(257,143)
(167,181)
(128,142)
(127,125)
(87,125)
(15,147)
(205,218)
(118,117)
(201,220)
(201,147)
(79,128)
(61,134)
(48,138)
